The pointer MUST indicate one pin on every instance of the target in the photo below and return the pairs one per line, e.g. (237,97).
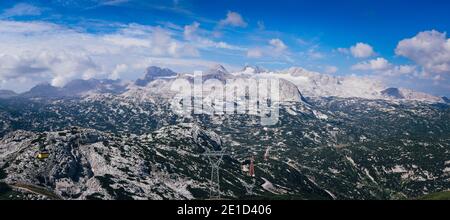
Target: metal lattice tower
(249,187)
(215,159)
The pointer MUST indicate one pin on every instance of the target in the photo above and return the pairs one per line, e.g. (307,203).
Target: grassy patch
(39,190)
(437,196)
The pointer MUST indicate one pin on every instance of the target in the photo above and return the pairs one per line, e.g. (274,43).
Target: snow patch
(351,161)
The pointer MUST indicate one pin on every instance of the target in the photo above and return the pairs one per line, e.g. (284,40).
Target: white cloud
(125,41)
(193,33)
(373,65)
(190,31)
(121,68)
(223,45)
(343,50)
(233,19)
(33,52)
(278,45)
(430,50)
(40,51)
(275,48)
(184,64)
(314,54)
(13,27)
(162,44)
(362,50)
(383,67)
(113,2)
(359,50)
(206,43)
(58,66)
(255,53)
(331,69)
(21,9)
(401,70)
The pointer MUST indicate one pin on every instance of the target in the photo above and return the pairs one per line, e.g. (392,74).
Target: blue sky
(403,42)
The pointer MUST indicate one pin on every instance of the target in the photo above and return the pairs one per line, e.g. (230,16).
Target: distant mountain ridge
(309,84)
(4,94)
(314,84)
(153,73)
(120,140)
(43,90)
(76,88)
(393,93)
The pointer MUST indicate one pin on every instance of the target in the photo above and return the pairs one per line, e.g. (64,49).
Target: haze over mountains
(7,94)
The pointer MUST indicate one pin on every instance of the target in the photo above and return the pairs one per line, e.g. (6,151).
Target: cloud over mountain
(42,51)
(429,49)
(376,64)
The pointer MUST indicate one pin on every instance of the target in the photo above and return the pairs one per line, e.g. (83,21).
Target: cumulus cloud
(48,52)
(278,45)
(121,68)
(58,66)
(401,70)
(384,67)
(275,48)
(255,53)
(375,65)
(193,33)
(33,52)
(362,50)
(233,19)
(190,31)
(359,50)
(430,50)
(13,27)
(314,54)
(21,9)
(162,44)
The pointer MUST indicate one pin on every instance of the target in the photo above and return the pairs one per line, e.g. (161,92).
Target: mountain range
(4,94)
(336,138)
(310,84)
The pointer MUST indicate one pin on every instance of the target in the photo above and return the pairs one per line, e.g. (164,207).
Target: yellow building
(43,155)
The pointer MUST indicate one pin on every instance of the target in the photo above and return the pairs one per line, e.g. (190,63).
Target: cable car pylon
(215,159)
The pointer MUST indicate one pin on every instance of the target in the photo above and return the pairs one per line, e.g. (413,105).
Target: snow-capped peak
(157,81)
(153,73)
(218,69)
(253,70)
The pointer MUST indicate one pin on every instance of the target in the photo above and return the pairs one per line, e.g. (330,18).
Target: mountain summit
(4,94)
(248,69)
(308,83)
(392,93)
(43,90)
(217,69)
(153,73)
